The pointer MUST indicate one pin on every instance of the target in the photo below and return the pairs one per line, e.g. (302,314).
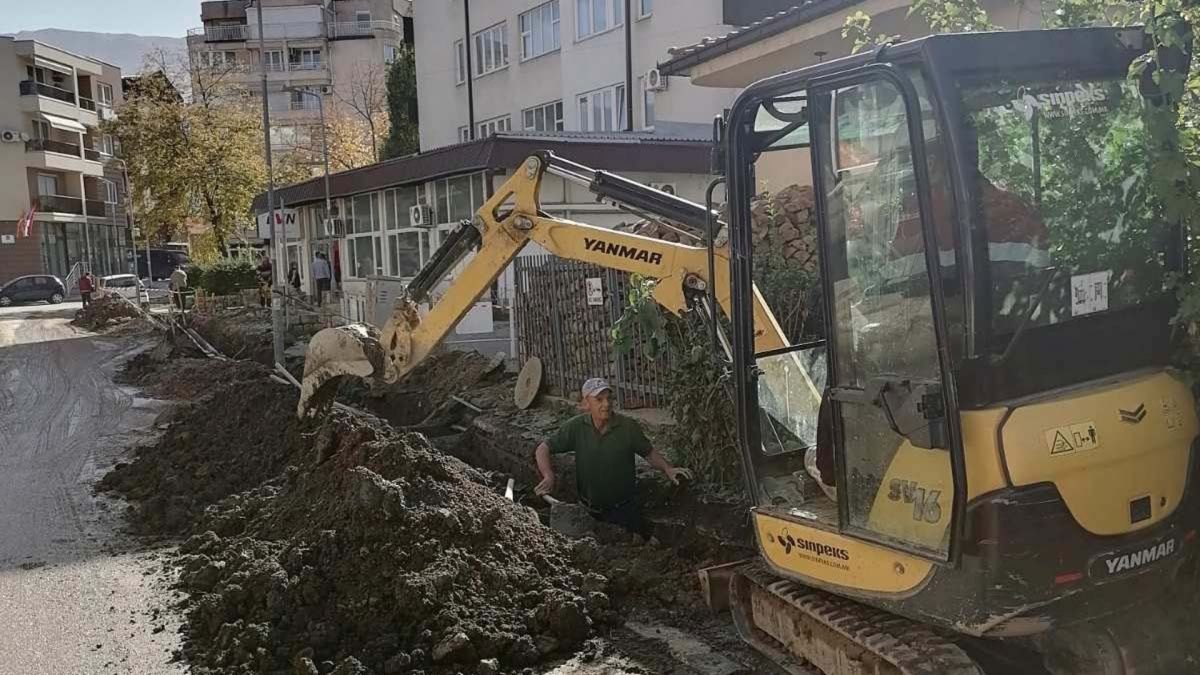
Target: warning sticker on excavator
(1072,438)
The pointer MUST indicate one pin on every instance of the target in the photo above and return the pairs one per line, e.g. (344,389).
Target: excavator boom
(504,225)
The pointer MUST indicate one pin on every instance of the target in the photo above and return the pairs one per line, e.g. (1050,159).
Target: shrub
(223,277)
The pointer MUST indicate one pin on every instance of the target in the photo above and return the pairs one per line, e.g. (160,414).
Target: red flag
(25,227)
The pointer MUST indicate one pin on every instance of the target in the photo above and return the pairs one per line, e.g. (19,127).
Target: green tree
(192,158)
(402,106)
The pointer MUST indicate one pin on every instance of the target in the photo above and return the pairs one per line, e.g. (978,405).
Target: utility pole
(277,323)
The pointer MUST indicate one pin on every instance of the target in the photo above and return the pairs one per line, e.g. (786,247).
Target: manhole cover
(529,381)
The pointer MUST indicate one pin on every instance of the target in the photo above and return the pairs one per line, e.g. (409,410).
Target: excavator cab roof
(1040,193)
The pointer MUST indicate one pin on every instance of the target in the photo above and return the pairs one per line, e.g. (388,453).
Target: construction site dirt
(355,544)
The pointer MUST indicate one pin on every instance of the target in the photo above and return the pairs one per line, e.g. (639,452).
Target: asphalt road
(75,595)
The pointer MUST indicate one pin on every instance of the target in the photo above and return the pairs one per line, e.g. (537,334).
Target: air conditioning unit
(654,80)
(10,136)
(668,188)
(420,215)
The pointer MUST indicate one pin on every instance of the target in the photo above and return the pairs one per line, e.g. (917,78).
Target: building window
(303,99)
(305,59)
(647,104)
(495,125)
(217,59)
(275,60)
(539,30)
(110,191)
(597,16)
(464,134)
(106,145)
(363,19)
(47,185)
(41,130)
(390,53)
(645,8)
(363,240)
(491,49)
(104,94)
(603,109)
(460,62)
(548,117)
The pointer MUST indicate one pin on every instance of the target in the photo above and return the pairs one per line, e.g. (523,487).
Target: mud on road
(76,596)
(349,546)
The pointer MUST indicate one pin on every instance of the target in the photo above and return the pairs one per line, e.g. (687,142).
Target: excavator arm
(502,226)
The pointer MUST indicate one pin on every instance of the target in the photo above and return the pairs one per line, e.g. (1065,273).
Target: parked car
(33,288)
(126,285)
(163,261)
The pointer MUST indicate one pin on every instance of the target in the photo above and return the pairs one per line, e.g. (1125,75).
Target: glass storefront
(65,244)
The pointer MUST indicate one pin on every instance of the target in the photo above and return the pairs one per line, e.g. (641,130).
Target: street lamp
(129,218)
(304,91)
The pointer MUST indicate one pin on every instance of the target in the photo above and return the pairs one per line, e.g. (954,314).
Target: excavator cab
(1011,454)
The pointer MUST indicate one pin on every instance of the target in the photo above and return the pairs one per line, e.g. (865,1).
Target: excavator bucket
(333,352)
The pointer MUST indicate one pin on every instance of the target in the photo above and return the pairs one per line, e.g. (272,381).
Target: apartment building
(311,47)
(560,65)
(57,162)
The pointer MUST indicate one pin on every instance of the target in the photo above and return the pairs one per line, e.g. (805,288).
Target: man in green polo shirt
(604,444)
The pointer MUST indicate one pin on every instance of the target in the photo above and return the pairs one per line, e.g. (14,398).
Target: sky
(170,18)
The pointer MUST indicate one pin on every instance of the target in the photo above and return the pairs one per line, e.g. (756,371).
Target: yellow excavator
(1014,472)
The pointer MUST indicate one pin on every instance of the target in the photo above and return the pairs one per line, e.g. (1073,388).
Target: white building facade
(533,65)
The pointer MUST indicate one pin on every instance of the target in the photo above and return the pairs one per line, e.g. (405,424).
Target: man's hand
(546,486)
(676,472)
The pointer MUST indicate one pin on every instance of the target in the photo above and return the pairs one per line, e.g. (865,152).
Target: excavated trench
(355,545)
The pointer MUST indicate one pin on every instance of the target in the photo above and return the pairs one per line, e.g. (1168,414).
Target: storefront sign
(289,218)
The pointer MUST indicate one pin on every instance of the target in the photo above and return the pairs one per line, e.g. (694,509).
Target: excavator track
(806,631)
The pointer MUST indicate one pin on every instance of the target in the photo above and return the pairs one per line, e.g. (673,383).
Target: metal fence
(565,311)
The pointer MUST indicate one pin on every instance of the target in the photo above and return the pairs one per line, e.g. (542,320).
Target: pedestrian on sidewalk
(178,285)
(87,286)
(322,273)
(294,277)
(264,280)
(605,443)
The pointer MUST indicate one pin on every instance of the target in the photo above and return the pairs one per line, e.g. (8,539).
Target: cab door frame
(740,160)
(890,73)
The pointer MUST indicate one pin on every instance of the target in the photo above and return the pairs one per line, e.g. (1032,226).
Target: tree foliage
(200,158)
(361,116)
(402,105)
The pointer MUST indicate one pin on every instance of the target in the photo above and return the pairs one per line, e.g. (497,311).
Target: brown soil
(104,311)
(348,540)
(241,334)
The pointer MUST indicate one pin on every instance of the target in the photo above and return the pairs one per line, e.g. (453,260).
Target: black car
(33,288)
(163,261)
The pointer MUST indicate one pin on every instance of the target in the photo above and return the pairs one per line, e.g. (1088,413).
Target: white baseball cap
(594,386)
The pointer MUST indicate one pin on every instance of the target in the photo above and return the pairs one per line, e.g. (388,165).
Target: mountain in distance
(124,50)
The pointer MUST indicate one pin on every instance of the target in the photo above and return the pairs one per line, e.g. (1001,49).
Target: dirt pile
(235,434)
(103,311)
(350,544)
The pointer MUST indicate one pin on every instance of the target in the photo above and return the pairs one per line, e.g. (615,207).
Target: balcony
(304,103)
(305,65)
(60,204)
(98,208)
(221,33)
(93,155)
(44,145)
(87,104)
(345,30)
(32,88)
